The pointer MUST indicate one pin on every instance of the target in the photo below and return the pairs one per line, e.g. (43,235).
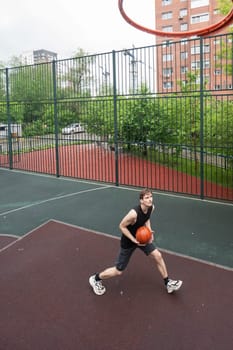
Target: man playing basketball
(136,217)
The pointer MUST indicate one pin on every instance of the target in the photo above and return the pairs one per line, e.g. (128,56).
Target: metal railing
(158,116)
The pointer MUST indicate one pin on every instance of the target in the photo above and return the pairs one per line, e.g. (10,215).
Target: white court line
(100,188)
(53,199)
(168,194)
(117,238)
(179,196)
(22,237)
(8,235)
(161,249)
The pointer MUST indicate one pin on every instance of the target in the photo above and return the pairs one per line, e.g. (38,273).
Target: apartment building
(38,56)
(42,55)
(178,56)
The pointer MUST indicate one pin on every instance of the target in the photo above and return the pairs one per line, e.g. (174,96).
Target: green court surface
(187,226)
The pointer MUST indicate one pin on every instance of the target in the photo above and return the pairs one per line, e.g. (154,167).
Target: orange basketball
(143,234)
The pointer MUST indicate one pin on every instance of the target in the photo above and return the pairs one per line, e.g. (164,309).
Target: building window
(184,69)
(167,57)
(183,13)
(167,72)
(217,87)
(204,17)
(216,41)
(196,64)
(166,2)
(206,79)
(167,43)
(167,84)
(167,15)
(183,27)
(196,49)
(183,41)
(217,72)
(184,55)
(206,64)
(167,29)
(216,11)
(199,3)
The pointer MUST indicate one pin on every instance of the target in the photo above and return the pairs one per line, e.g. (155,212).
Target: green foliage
(99,118)
(158,127)
(78,75)
(219,127)
(225,53)
(224,6)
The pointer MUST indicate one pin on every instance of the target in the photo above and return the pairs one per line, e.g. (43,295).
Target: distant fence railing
(158,116)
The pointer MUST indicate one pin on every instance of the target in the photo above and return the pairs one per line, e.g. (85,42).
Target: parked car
(73,128)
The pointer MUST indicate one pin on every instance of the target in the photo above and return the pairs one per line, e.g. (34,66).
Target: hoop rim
(197,32)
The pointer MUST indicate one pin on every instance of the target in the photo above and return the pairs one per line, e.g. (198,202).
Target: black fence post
(9,120)
(201,120)
(115,118)
(55,118)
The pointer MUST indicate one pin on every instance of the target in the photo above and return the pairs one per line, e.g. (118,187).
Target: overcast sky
(64,26)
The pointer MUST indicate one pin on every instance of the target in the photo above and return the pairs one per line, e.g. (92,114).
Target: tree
(74,85)
(224,6)
(219,129)
(142,122)
(31,89)
(3,116)
(188,113)
(225,53)
(99,118)
(77,75)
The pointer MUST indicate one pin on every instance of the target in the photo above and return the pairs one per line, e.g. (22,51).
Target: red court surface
(92,162)
(47,303)
(5,240)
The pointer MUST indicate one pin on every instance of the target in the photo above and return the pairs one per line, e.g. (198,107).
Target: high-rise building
(176,60)
(42,55)
(38,56)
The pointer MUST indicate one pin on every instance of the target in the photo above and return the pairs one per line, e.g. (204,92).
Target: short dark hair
(144,192)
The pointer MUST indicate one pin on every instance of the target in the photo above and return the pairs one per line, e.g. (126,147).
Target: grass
(211,173)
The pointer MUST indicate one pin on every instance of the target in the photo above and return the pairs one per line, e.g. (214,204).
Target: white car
(73,128)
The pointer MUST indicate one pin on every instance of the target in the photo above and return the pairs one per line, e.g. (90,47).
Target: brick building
(176,57)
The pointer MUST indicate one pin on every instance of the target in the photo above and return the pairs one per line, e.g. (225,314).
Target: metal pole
(201,120)
(9,120)
(55,118)
(115,117)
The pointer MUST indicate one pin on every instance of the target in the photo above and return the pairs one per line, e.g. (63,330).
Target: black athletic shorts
(126,253)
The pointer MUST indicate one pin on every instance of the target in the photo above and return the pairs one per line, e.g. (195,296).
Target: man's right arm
(129,219)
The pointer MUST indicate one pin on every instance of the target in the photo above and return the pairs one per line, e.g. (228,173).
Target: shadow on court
(47,303)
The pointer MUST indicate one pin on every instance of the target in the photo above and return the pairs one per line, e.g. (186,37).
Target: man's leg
(96,280)
(157,256)
(122,261)
(109,272)
(172,285)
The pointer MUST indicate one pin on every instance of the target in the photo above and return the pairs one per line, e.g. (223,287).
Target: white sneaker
(173,285)
(97,286)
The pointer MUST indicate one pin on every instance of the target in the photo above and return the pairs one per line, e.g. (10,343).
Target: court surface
(57,232)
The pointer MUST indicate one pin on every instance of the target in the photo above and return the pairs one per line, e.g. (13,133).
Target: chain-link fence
(158,116)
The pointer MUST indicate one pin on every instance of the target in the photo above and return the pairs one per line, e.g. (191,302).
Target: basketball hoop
(199,32)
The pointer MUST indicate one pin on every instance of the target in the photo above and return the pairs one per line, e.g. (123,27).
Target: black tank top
(141,219)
